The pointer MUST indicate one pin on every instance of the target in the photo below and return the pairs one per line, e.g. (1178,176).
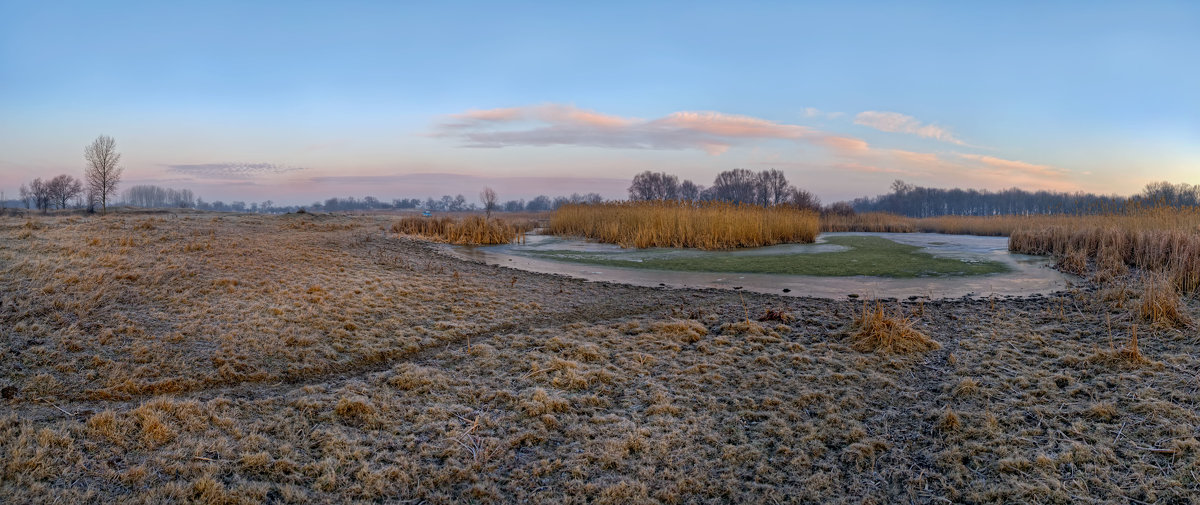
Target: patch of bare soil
(247,359)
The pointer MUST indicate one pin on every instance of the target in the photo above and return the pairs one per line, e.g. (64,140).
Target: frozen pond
(945,265)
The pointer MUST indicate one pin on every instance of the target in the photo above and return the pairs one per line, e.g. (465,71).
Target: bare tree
(26,195)
(64,188)
(839,209)
(772,187)
(736,186)
(39,192)
(102,172)
(803,199)
(488,198)
(689,191)
(654,186)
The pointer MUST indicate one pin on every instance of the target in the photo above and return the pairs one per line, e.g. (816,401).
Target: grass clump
(685,330)
(707,225)
(1160,303)
(878,331)
(355,409)
(1128,355)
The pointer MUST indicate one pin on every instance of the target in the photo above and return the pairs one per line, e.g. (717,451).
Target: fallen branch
(1156,450)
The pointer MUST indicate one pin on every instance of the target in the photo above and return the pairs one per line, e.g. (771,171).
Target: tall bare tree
(488,198)
(102,172)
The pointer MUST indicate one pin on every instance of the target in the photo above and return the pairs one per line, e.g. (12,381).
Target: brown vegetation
(679,224)
(1160,303)
(1165,241)
(879,222)
(877,331)
(1160,239)
(470,230)
(318,359)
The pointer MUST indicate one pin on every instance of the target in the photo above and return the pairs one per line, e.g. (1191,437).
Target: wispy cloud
(1014,166)
(813,112)
(847,146)
(900,123)
(231,170)
(936,168)
(555,124)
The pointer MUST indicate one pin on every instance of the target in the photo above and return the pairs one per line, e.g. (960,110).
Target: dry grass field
(319,359)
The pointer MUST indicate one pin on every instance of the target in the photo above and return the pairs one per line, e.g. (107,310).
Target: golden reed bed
(471,230)
(1161,240)
(677,224)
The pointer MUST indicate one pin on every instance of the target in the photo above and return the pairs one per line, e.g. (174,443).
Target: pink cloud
(932,168)
(507,114)
(547,113)
(727,125)
(897,122)
(928,159)
(555,124)
(845,145)
(1015,166)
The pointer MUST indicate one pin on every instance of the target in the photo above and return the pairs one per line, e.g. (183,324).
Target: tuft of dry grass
(1129,354)
(949,421)
(878,331)
(1160,303)
(683,330)
(708,225)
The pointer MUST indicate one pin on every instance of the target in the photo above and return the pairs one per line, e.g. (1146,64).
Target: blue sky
(294,101)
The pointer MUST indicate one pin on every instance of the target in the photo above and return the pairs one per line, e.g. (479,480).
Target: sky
(299,101)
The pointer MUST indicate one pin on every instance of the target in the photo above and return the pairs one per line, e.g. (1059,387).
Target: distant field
(215,358)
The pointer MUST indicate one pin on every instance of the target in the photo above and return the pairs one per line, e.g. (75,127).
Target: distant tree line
(766,188)
(446,203)
(544,203)
(1165,193)
(917,201)
(158,197)
(56,193)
